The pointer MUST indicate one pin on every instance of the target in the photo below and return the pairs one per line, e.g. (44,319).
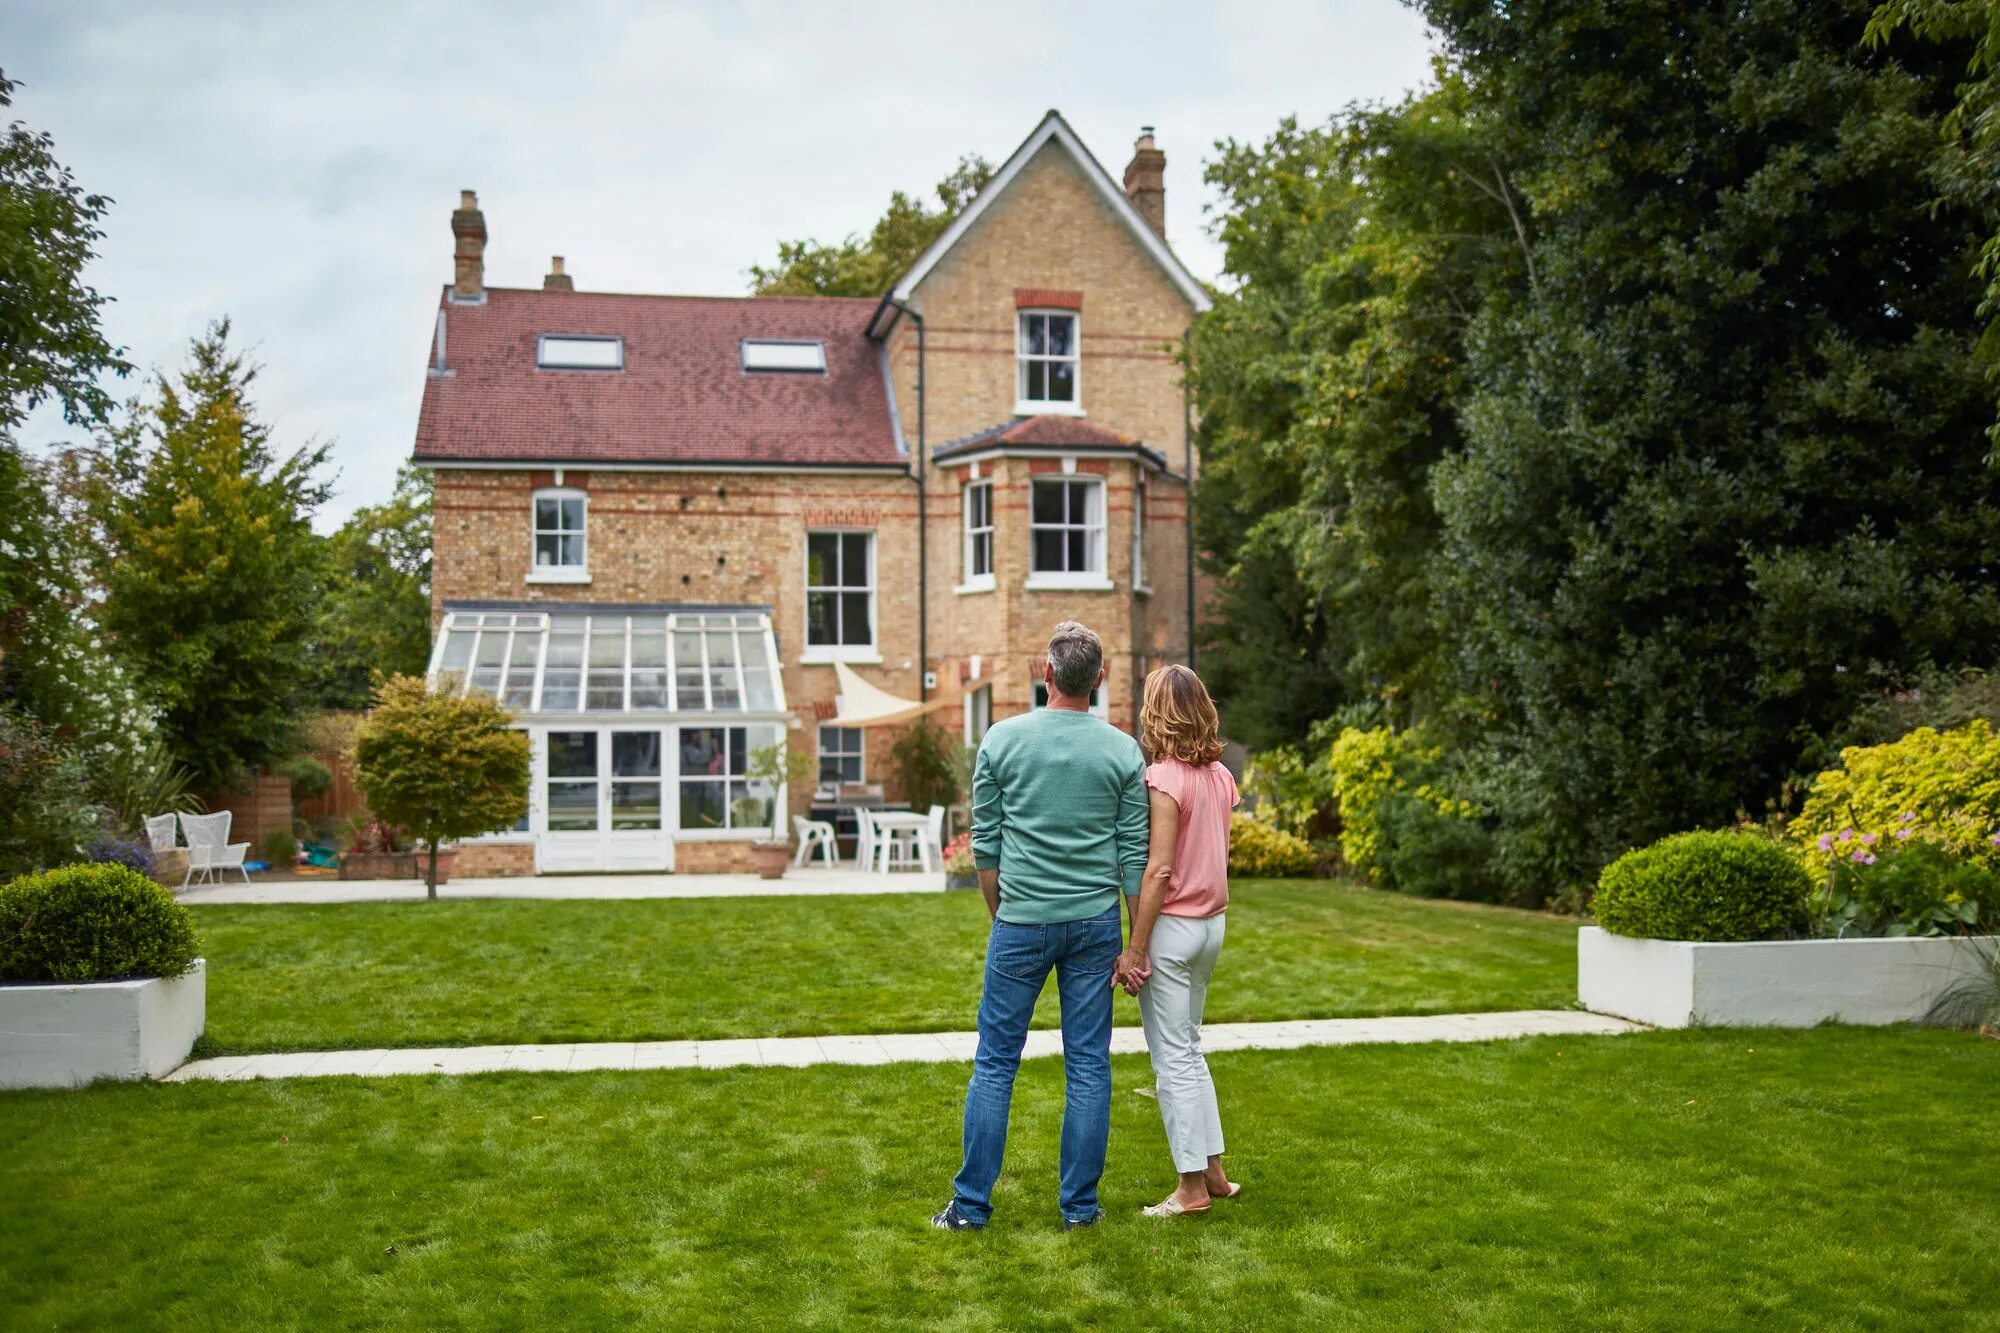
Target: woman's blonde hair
(1177,720)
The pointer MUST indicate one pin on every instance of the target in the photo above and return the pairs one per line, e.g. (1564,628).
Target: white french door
(605,799)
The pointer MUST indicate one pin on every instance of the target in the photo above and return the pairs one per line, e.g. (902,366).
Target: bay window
(1066,528)
(978,536)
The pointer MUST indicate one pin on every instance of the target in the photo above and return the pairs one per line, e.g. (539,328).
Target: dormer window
(784,356)
(560,551)
(1045,361)
(563,351)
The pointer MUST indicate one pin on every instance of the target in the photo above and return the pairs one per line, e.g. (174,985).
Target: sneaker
(950,1219)
(1071,1224)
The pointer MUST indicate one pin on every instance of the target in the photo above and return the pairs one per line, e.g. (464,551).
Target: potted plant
(771,766)
(375,850)
(959,871)
(441,765)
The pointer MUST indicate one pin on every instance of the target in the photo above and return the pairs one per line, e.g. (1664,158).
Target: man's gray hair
(1076,655)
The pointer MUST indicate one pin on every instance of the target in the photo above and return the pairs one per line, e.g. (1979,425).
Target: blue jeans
(1018,959)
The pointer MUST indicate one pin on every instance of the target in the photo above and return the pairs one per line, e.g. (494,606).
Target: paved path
(929,1047)
(805,881)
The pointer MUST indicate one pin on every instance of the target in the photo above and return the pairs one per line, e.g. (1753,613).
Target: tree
(212,574)
(50,342)
(376,620)
(1721,474)
(441,765)
(857,267)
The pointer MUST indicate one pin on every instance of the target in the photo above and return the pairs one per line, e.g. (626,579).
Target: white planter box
(61,1034)
(1772,983)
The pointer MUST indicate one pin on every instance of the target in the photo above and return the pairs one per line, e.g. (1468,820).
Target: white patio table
(898,823)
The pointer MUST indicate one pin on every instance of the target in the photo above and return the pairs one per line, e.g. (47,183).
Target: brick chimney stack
(557,280)
(468,233)
(1146,181)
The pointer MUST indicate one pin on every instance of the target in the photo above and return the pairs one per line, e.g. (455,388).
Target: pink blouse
(1205,795)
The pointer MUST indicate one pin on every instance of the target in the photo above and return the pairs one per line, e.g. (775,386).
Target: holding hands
(1131,970)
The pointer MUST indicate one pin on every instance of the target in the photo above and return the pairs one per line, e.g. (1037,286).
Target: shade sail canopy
(860,704)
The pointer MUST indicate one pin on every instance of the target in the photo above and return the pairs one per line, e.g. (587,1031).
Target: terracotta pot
(771,858)
(445,860)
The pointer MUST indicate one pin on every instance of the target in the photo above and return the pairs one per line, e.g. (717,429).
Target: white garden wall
(63,1034)
(1772,983)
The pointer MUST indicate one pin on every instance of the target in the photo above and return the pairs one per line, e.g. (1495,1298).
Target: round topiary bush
(1704,886)
(92,923)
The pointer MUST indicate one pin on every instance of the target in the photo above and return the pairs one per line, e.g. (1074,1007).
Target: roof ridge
(869,301)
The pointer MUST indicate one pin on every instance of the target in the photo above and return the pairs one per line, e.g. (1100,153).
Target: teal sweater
(1059,809)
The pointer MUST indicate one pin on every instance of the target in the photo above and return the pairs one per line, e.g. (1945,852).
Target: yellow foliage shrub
(1942,787)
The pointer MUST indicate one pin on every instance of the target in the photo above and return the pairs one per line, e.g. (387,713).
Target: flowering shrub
(1258,850)
(1941,787)
(1704,886)
(958,855)
(1292,786)
(1914,888)
(43,821)
(1369,767)
(109,849)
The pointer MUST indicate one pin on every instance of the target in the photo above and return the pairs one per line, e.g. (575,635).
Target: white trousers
(1183,952)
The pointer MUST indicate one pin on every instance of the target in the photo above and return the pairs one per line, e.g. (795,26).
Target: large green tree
(1721,476)
(376,619)
(870,265)
(211,573)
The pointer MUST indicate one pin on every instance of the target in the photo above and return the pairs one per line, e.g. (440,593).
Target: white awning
(860,704)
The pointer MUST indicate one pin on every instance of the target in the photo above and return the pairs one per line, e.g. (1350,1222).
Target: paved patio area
(926,1047)
(804,881)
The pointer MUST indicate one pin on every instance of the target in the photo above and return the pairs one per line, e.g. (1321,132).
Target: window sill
(853,655)
(1069,583)
(558,576)
(983,583)
(725,835)
(1025,408)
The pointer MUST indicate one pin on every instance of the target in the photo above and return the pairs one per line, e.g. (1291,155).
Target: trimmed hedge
(1264,851)
(92,923)
(1705,886)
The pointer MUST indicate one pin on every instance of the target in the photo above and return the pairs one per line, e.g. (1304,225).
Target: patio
(814,881)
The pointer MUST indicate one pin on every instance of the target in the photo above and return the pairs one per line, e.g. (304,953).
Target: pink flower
(1826,842)
(1905,833)
(1907,816)
(1846,833)
(1868,860)
(1860,857)
(1868,840)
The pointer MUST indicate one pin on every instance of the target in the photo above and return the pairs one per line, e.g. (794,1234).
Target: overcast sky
(294,165)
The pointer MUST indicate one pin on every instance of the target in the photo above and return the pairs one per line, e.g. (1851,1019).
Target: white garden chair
(209,849)
(936,832)
(160,834)
(864,838)
(814,835)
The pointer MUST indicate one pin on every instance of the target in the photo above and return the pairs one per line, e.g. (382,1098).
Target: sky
(293,166)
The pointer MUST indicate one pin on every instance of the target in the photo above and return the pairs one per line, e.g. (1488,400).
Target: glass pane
(1034,330)
(750,805)
(1062,329)
(738,749)
(1048,550)
(704,804)
(605,692)
(572,754)
(821,608)
(560,686)
(701,751)
(572,515)
(484,679)
(1038,381)
(822,558)
(982,553)
(1048,502)
(723,691)
(757,688)
(572,807)
(687,671)
(854,560)
(492,649)
(635,805)
(649,669)
(1062,382)
(548,550)
(546,515)
(457,653)
(1077,563)
(570,552)
(607,642)
(854,623)
(635,754)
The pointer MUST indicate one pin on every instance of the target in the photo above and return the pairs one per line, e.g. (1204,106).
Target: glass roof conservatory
(662,662)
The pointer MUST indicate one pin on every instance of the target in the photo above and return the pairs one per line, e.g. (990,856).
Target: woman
(1177,925)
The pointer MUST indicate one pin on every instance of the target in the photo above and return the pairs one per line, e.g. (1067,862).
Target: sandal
(1235,1188)
(1171,1206)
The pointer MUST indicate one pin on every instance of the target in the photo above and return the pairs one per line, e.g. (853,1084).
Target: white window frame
(1139,583)
(730,831)
(869,653)
(542,352)
(978,700)
(538,573)
(859,755)
(801,363)
(973,536)
(1026,406)
(1092,579)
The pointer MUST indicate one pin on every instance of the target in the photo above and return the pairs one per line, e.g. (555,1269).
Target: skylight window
(784,356)
(556,351)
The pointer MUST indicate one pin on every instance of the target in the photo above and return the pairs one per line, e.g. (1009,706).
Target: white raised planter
(1772,983)
(60,1034)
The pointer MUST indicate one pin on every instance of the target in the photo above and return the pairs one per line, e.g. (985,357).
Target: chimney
(557,280)
(1146,181)
(468,232)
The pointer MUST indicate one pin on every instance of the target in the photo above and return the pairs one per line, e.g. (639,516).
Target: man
(1059,824)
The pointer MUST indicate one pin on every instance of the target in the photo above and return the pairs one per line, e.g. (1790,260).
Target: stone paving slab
(893,1048)
(814,881)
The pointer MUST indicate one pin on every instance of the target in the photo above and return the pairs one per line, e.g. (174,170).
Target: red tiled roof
(1050,430)
(682,397)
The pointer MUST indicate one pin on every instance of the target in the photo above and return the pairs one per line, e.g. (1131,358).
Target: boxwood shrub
(1264,851)
(1705,886)
(92,923)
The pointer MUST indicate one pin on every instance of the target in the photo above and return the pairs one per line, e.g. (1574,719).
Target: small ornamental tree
(439,765)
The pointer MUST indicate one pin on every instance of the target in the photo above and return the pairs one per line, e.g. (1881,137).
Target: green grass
(469,973)
(1825,1180)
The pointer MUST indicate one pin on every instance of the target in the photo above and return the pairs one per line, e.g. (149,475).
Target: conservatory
(645,723)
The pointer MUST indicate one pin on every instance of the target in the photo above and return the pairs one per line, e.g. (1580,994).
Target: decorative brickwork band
(1047,298)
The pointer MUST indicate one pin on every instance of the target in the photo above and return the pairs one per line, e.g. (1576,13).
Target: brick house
(668,528)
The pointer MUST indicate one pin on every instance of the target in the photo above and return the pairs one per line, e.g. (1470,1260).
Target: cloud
(294,166)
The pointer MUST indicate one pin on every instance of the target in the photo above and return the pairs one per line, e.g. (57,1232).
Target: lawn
(467,973)
(1831,1179)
